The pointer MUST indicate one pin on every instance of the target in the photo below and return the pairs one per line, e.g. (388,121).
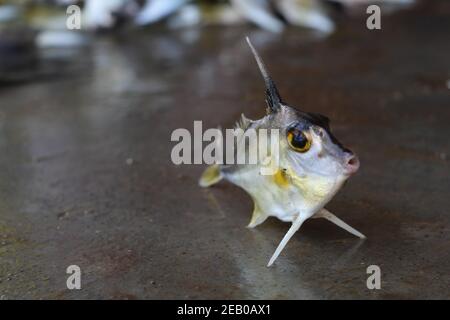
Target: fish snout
(351,162)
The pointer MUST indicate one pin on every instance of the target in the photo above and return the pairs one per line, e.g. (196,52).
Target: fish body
(307,168)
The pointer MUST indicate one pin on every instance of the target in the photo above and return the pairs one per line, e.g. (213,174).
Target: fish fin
(292,230)
(210,176)
(243,123)
(273,98)
(324,213)
(258,217)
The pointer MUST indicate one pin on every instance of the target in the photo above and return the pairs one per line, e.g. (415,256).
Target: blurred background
(90,92)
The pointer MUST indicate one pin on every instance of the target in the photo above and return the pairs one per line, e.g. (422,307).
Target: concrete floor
(144,229)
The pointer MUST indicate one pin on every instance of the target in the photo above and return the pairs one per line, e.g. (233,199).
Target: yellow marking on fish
(313,189)
(281,179)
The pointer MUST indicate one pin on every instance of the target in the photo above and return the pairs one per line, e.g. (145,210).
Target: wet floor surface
(86,177)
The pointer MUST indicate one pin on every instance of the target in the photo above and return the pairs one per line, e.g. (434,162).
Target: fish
(309,168)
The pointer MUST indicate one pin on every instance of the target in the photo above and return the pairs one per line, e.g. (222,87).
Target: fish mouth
(351,163)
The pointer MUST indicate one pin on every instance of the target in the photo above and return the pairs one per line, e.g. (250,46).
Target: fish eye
(298,140)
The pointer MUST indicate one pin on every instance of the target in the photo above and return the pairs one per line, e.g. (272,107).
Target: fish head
(309,148)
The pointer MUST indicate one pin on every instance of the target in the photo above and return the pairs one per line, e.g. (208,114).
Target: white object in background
(8,13)
(155,10)
(191,15)
(306,13)
(99,13)
(186,16)
(59,39)
(258,12)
